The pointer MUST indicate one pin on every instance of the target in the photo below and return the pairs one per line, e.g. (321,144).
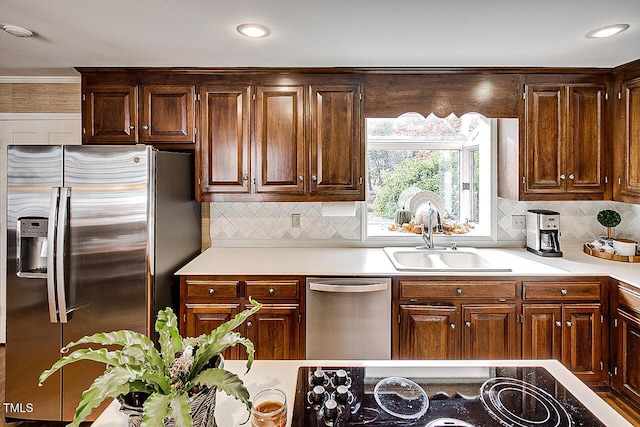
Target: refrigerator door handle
(51,253)
(60,255)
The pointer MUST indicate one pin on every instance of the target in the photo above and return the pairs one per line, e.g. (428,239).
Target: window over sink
(449,162)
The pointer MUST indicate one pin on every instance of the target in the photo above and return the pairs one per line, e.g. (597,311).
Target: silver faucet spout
(428,235)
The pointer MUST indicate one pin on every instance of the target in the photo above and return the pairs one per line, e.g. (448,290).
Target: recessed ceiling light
(253,30)
(608,31)
(16,31)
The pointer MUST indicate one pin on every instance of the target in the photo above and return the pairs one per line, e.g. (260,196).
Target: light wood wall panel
(40,98)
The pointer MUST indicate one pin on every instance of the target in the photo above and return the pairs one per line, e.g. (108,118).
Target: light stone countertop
(374,262)
(283,374)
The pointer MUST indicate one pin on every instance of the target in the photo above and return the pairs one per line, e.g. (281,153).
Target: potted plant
(609,219)
(174,384)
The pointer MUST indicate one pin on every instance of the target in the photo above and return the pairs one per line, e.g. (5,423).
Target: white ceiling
(320,33)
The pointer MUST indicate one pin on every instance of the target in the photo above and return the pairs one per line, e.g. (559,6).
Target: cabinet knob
(300,178)
(559,324)
(452,326)
(132,127)
(458,291)
(145,127)
(571,177)
(569,324)
(245,178)
(212,291)
(272,291)
(563,292)
(467,324)
(563,176)
(249,324)
(314,178)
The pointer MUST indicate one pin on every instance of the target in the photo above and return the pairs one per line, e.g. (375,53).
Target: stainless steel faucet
(428,235)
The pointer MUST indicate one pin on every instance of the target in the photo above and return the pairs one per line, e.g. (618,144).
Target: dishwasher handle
(347,288)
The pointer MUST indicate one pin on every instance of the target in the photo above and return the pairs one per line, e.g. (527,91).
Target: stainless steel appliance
(434,397)
(543,233)
(348,318)
(95,234)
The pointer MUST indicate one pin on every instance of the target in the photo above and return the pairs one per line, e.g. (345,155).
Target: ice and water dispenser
(32,247)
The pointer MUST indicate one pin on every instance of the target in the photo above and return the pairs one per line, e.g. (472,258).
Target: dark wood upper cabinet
(280,140)
(627,184)
(564,142)
(224,146)
(168,114)
(336,144)
(110,114)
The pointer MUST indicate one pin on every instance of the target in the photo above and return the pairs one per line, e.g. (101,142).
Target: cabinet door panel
(204,318)
(631,155)
(280,139)
(585,138)
(275,332)
(490,332)
(544,139)
(629,355)
(581,340)
(111,114)
(168,114)
(542,331)
(224,141)
(336,147)
(429,332)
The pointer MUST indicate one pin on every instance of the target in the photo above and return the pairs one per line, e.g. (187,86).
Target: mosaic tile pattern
(272,221)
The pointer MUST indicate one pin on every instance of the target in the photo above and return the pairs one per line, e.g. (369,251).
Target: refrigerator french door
(87,248)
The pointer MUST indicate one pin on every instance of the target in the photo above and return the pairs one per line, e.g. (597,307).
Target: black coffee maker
(543,232)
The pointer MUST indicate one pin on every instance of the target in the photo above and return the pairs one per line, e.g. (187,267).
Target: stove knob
(318,377)
(342,395)
(317,394)
(341,377)
(330,410)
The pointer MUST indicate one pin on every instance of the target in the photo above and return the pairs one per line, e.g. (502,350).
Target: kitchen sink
(444,260)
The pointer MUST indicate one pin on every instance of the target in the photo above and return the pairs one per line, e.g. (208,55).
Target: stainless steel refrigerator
(95,234)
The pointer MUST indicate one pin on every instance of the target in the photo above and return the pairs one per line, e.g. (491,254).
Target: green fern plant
(167,375)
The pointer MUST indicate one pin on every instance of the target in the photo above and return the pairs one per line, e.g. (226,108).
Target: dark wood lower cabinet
(542,331)
(203,318)
(429,332)
(628,378)
(275,332)
(490,332)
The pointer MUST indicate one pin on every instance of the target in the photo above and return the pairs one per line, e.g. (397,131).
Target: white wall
(28,129)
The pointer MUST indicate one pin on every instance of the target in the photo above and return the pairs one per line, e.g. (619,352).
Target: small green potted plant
(609,219)
(175,384)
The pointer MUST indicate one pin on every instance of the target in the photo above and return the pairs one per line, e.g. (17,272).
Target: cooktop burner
(336,396)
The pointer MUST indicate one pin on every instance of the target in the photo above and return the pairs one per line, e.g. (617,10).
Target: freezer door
(33,341)
(107,277)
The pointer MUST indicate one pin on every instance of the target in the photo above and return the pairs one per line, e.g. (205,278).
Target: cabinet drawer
(276,289)
(561,291)
(415,290)
(629,298)
(198,289)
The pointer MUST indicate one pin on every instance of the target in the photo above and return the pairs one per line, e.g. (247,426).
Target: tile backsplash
(243,223)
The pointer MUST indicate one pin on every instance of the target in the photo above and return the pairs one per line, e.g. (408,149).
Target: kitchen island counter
(374,262)
(283,374)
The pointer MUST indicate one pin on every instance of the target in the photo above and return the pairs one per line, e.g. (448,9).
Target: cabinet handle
(132,127)
(563,176)
(453,326)
(569,324)
(272,292)
(559,324)
(301,178)
(563,292)
(458,291)
(467,324)
(571,177)
(249,324)
(245,178)
(314,178)
(212,291)
(145,127)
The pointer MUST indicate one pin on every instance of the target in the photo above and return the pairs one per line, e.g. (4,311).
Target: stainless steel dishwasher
(348,318)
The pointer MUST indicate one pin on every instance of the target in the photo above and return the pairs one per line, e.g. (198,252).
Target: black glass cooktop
(335,396)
